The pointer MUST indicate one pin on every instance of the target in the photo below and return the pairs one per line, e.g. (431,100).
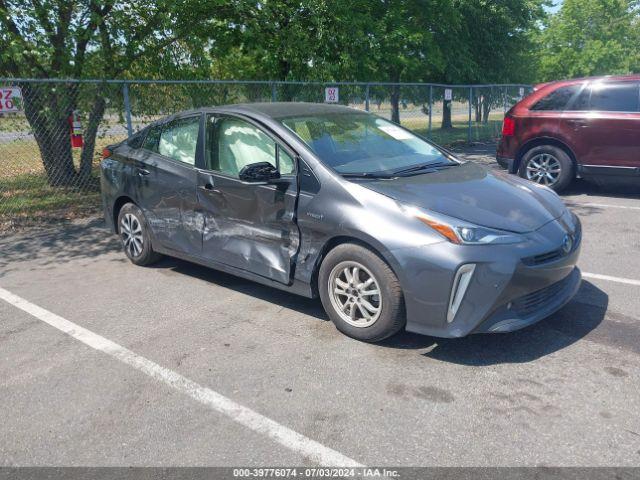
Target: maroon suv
(587,127)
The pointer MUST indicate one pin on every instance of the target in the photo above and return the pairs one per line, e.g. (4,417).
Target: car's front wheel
(360,293)
(135,236)
(547,165)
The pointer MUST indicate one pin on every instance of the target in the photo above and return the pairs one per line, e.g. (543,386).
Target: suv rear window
(558,99)
(615,97)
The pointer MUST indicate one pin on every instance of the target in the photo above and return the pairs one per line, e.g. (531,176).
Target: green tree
(490,43)
(590,37)
(81,39)
(397,41)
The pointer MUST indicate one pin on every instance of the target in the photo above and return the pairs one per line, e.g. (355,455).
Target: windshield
(360,143)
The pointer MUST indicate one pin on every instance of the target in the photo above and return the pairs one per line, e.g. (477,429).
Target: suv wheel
(547,165)
(360,293)
(134,235)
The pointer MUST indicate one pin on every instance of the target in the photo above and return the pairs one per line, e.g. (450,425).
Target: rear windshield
(356,142)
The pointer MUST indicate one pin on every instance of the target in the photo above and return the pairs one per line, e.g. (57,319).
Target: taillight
(106,153)
(508,127)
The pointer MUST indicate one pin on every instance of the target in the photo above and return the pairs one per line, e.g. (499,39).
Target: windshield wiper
(365,175)
(426,166)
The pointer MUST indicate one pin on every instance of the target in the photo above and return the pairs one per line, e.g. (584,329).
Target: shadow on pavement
(84,240)
(570,324)
(575,321)
(605,188)
(306,306)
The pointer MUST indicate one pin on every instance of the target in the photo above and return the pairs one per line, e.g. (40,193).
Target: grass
(460,131)
(25,196)
(28,200)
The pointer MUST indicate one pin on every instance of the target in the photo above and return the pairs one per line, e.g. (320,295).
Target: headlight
(463,233)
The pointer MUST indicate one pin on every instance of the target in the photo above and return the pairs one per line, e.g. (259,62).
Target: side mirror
(258,172)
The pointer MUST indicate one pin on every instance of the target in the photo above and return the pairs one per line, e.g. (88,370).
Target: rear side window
(558,99)
(179,140)
(614,97)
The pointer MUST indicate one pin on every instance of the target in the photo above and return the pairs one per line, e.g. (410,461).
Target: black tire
(138,250)
(533,155)
(391,318)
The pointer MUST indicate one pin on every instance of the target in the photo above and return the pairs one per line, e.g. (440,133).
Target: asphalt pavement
(109,364)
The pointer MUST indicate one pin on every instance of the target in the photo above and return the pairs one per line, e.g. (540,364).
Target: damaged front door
(248,225)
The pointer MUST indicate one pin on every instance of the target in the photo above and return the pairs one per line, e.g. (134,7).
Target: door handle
(143,171)
(578,123)
(208,187)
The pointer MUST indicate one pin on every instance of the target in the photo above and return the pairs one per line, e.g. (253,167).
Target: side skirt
(297,287)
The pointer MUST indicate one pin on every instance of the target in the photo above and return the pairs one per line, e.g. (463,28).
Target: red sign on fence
(10,99)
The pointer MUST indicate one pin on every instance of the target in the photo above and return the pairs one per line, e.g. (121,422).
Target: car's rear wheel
(547,165)
(360,293)
(134,235)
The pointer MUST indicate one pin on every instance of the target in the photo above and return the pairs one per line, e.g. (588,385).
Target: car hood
(472,193)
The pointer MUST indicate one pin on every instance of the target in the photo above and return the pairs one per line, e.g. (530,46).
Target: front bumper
(533,307)
(513,286)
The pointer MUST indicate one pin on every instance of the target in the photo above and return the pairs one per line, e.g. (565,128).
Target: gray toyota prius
(389,230)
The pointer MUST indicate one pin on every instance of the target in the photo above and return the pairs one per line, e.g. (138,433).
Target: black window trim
(142,134)
(148,129)
(280,143)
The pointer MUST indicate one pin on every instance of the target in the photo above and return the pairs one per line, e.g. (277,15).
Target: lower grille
(532,302)
(543,258)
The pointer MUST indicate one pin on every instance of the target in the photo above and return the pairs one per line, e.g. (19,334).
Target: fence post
(366,98)
(470,101)
(430,107)
(504,100)
(127,107)
(274,93)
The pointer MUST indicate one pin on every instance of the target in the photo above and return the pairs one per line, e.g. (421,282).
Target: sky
(556,6)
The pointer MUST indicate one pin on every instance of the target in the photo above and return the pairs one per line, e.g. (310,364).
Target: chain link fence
(52,132)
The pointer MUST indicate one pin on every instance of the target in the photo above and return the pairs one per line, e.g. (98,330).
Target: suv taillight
(508,127)
(106,153)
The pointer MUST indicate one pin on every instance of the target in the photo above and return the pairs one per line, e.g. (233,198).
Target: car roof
(606,78)
(273,109)
(287,109)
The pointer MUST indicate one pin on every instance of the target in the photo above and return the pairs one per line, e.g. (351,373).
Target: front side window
(614,97)
(286,163)
(357,143)
(558,99)
(179,140)
(235,143)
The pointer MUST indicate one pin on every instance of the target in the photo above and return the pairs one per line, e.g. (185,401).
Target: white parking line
(601,205)
(597,276)
(245,416)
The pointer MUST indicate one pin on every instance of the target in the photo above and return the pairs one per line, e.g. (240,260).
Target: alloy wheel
(131,234)
(355,294)
(544,168)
